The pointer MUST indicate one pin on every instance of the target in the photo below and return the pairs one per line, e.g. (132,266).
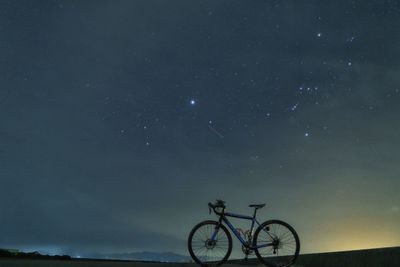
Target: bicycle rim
(205,251)
(286,244)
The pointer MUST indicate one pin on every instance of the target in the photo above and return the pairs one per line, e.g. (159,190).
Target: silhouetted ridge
(5,253)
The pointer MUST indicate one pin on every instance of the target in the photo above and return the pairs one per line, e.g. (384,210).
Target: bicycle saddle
(257,206)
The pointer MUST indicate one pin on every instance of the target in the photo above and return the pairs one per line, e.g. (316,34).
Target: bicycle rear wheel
(282,240)
(203,249)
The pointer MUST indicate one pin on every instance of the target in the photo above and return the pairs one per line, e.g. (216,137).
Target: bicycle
(275,243)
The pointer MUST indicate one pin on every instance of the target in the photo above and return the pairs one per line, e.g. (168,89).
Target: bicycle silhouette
(275,243)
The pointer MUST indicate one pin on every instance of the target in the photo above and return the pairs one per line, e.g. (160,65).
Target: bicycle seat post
(255,212)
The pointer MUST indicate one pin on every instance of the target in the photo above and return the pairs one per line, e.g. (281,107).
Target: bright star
(294,107)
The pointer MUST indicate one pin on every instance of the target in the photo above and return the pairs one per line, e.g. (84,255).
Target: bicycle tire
(196,247)
(288,242)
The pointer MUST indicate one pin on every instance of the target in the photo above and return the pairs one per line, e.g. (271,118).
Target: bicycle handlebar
(218,204)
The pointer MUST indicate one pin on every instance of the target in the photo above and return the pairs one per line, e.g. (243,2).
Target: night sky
(121,120)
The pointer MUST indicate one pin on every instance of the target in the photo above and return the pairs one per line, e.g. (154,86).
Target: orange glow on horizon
(351,234)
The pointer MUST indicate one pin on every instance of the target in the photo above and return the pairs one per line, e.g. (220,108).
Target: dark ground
(383,257)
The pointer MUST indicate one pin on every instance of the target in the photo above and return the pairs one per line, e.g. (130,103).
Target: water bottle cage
(245,234)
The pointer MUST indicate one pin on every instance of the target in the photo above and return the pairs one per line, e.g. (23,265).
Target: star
(351,39)
(192,102)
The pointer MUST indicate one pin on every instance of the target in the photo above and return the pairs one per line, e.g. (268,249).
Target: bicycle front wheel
(205,250)
(277,243)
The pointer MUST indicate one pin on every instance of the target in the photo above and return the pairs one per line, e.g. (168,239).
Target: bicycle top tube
(228,214)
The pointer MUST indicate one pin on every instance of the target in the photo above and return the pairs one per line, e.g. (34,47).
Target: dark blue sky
(120,120)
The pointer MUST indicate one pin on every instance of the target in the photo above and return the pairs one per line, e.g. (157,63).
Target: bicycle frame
(223,218)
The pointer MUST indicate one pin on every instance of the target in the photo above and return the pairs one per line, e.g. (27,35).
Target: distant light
(349,63)
(192,102)
(319,34)
(306,134)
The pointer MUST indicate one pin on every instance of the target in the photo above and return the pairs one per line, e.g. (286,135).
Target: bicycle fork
(216,229)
